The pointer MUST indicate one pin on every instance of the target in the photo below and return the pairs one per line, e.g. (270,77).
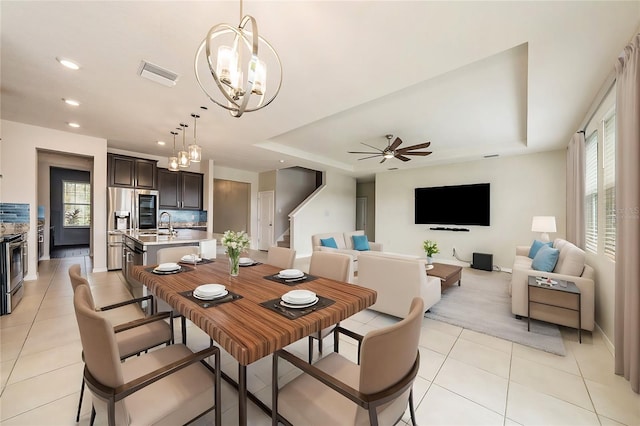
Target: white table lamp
(544,224)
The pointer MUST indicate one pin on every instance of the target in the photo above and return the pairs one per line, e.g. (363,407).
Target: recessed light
(71,102)
(74,125)
(282,161)
(68,63)
(160,142)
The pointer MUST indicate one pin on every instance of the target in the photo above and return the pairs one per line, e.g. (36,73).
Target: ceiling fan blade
(395,144)
(371,156)
(371,146)
(402,157)
(362,152)
(419,146)
(422,153)
(383,160)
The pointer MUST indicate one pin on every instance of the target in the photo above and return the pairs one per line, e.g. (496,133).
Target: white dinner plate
(290,273)
(218,296)
(299,297)
(306,305)
(245,261)
(190,258)
(429,267)
(167,267)
(209,290)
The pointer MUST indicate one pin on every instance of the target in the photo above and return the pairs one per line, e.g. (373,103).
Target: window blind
(591,193)
(609,183)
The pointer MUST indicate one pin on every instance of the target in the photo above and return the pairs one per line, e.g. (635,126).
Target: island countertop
(182,236)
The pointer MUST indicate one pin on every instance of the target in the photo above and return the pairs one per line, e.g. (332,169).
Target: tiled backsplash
(14,218)
(187,217)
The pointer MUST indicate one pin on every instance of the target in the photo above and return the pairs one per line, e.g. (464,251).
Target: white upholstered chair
(335,266)
(282,257)
(336,391)
(171,385)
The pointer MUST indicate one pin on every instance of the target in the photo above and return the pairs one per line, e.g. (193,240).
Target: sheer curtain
(575,190)
(627,314)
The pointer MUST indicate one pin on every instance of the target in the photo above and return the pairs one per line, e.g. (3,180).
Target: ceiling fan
(392,150)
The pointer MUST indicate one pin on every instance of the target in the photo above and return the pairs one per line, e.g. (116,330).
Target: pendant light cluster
(192,153)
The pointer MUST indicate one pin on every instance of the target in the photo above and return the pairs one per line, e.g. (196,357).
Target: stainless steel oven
(12,271)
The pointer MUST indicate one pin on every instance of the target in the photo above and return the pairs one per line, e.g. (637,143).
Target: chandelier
(183,156)
(239,73)
(173,160)
(195,152)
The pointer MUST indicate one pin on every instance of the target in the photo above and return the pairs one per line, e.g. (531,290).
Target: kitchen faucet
(171,231)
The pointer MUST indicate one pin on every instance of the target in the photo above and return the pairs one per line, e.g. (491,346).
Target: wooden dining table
(243,327)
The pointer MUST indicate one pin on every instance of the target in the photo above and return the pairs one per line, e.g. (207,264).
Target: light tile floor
(465,378)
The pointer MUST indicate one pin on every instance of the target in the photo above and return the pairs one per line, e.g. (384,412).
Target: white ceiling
(474,78)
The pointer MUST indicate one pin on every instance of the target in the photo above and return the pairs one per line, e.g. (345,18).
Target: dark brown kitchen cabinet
(131,172)
(180,190)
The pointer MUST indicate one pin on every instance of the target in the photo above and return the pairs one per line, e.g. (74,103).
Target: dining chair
(282,257)
(341,392)
(175,254)
(170,385)
(137,332)
(335,266)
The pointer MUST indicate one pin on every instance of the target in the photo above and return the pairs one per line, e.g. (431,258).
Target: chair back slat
(282,257)
(335,266)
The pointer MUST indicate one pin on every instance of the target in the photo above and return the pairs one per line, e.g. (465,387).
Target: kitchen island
(141,248)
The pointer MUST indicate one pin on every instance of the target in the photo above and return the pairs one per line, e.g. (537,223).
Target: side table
(558,303)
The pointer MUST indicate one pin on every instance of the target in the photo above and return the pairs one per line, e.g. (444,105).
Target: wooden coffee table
(448,274)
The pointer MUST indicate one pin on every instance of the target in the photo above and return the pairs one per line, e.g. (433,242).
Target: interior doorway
(266,213)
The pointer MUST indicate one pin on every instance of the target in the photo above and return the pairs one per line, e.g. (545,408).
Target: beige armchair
(135,331)
(336,391)
(171,385)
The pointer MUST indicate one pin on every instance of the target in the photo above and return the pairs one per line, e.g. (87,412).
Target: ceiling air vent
(159,75)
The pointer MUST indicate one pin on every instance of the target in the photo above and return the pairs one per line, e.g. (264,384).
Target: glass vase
(234,265)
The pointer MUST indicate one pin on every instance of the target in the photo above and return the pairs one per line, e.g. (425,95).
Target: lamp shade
(543,224)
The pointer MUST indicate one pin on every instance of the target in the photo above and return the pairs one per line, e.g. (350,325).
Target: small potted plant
(430,248)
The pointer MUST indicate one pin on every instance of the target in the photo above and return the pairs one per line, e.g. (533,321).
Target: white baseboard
(606,341)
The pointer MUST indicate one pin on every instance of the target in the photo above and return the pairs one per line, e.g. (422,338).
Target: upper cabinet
(180,190)
(131,172)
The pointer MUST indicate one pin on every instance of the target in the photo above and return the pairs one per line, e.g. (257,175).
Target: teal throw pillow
(360,242)
(545,259)
(328,242)
(536,245)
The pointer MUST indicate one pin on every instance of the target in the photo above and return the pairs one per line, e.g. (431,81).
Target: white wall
(20,143)
(521,187)
(331,209)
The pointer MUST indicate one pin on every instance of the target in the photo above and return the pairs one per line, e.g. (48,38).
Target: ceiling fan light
(388,155)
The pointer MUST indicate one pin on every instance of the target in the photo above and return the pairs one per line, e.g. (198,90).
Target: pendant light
(238,71)
(195,152)
(173,160)
(183,156)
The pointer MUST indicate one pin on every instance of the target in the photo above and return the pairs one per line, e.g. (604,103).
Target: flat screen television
(453,205)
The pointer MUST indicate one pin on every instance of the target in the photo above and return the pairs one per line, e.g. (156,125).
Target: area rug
(482,303)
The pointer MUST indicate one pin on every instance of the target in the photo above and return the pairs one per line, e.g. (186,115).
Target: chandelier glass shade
(195,152)
(183,156)
(173,160)
(239,71)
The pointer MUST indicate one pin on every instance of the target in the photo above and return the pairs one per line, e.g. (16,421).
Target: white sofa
(344,243)
(397,279)
(570,267)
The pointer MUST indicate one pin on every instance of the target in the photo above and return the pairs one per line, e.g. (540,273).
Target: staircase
(285,242)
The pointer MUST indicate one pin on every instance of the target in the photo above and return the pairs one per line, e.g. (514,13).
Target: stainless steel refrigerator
(128,209)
